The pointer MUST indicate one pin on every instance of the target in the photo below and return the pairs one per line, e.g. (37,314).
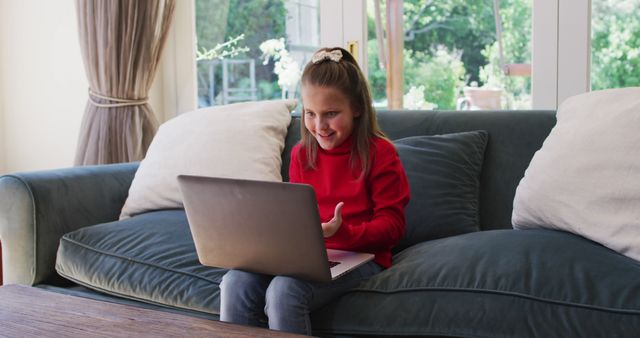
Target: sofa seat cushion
(149,258)
(501,283)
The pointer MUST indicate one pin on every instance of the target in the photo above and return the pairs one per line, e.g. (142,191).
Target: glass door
(452,54)
(251,50)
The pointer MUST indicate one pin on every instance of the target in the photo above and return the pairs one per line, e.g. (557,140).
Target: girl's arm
(295,169)
(389,190)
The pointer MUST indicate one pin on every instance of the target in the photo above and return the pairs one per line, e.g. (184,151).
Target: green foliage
(435,28)
(516,37)
(218,21)
(615,44)
(377,76)
(440,72)
(211,22)
(461,25)
(516,89)
(259,20)
(269,89)
(516,30)
(221,20)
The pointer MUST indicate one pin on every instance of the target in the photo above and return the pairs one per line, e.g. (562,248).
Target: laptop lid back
(264,227)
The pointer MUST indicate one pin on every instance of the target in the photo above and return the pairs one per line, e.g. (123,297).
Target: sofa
(60,231)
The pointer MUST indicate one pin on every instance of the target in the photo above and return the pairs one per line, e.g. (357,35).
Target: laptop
(263,227)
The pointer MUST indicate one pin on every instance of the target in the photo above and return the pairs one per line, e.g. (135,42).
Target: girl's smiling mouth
(327,135)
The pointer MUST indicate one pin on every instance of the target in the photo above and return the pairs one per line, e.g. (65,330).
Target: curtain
(121,43)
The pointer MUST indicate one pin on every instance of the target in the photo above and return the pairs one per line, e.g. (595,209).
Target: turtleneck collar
(343,148)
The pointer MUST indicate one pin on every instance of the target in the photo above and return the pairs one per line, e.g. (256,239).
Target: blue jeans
(284,303)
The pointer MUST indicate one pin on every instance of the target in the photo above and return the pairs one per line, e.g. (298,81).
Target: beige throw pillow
(242,140)
(586,177)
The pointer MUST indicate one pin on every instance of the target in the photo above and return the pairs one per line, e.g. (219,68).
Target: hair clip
(334,55)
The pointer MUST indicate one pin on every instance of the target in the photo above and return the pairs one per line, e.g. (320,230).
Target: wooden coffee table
(32,312)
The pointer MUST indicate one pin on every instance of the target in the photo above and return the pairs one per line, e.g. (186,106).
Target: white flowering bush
(271,48)
(285,67)
(414,99)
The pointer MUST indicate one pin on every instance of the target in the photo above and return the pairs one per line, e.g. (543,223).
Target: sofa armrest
(37,208)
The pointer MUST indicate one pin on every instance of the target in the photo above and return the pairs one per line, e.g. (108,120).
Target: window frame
(561,51)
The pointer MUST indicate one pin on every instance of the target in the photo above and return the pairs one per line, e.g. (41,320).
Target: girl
(360,186)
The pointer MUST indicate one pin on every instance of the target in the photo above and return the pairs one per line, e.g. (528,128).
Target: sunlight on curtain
(121,44)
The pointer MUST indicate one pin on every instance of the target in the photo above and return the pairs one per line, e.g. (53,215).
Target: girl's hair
(345,76)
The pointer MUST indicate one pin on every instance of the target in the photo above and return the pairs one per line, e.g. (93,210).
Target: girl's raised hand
(331,227)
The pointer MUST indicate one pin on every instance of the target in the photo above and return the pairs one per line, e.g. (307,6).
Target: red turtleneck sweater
(373,212)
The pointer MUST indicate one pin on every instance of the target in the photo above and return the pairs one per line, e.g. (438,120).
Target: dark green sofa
(496,282)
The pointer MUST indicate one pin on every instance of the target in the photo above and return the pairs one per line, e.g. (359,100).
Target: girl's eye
(332,113)
(309,114)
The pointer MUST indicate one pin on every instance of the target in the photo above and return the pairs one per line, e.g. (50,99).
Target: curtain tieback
(119,102)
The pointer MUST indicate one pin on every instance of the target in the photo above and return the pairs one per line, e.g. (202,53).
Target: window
(453,55)
(232,66)
(563,64)
(615,44)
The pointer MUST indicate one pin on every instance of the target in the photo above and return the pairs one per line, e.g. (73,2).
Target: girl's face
(328,115)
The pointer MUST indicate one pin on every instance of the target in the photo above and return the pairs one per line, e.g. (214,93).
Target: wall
(43,83)
(2,132)
(43,88)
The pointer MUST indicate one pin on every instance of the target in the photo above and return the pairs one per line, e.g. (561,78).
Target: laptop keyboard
(332,264)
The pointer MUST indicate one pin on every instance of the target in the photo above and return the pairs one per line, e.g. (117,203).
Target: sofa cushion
(470,285)
(149,258)
(444,176)
(466,285)
(586,177)
(240,140)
